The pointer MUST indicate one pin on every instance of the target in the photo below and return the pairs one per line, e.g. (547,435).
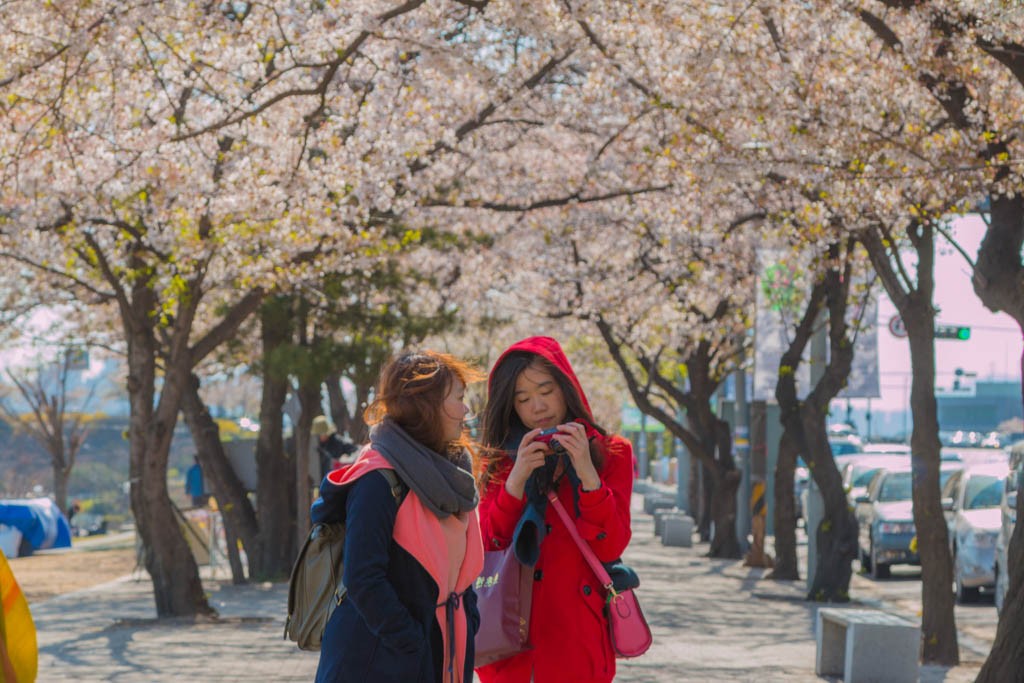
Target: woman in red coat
(532,388)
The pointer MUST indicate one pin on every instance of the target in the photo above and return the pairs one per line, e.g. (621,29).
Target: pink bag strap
(588,553)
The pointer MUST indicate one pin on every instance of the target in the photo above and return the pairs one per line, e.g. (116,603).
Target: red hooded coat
(567,627)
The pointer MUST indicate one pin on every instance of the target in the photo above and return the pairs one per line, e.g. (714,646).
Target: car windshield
(944,476)
(895,487)
(862,475)
(983,491)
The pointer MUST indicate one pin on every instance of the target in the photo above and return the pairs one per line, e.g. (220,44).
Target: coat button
(586,590)
(601,536)
(547,528)
(495,542)
(537,575)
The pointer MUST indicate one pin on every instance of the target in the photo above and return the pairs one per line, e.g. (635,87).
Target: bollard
(659,518)
(658,501)
(677,530)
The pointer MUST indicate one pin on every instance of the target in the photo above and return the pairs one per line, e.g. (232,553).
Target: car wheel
(879,570)
(964,595)
(865,561)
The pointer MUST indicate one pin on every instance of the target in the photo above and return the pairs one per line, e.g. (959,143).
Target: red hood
(552,351)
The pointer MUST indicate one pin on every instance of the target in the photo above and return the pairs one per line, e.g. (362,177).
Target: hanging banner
(780,300)
(863,381)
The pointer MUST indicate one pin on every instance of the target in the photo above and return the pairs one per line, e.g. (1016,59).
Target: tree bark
(804,423)
(999,283)
(278,543)
(916,308)
(837,533)
(235,508)
(359,431)
(309,401)
(338,405)
(938,626)
(60,487)
(727,479)
(708,439)
(786,565)
(177,589)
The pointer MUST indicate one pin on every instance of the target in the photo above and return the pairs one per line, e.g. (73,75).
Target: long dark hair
(500,421)
(411,391)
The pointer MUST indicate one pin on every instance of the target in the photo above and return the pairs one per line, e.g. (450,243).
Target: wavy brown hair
(411,391)
(499,419)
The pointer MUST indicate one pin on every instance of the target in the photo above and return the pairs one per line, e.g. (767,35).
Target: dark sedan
(885,519)
(886,522)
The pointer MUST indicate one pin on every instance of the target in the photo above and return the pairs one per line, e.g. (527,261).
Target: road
(976,624)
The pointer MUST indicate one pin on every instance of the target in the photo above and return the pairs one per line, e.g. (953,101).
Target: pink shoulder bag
(630,634)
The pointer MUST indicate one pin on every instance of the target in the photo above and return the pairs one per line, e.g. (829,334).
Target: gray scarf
(445,487)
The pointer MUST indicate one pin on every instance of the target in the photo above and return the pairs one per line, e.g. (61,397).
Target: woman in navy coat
(410,611)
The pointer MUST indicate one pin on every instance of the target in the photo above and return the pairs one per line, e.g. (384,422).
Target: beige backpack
(315,588)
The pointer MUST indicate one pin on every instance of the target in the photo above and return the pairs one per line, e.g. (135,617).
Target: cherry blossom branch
(321,86)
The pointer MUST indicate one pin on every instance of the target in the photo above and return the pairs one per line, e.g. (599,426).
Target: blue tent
(39,520)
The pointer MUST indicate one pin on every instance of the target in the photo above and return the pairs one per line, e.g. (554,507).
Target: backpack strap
(398,487)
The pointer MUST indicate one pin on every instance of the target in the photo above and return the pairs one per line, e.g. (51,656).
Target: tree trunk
(338,405)
(804,423)
(309,400)
(358,430)
(999,283)
(60,487)
(1006,659)
(723,512)
(836,534)
(278,543)
(693,493)
(177,588)
(786,565)
(938,625)
(235,508)
(706,492)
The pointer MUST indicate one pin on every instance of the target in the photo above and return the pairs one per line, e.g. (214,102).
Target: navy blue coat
(385,629)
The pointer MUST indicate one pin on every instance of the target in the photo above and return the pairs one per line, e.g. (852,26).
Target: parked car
(858,471)
(886,449)
(885,518)
(971,500)
(885,522)
(1007,521)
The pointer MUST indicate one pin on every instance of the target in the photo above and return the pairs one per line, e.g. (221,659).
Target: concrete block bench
(865,645)
(658,501)
(677,530)
(659,515)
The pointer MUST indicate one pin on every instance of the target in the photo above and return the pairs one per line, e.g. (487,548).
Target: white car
(971,501)
(858,470)
(1008,519)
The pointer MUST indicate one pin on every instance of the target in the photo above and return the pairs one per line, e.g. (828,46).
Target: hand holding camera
(571,438)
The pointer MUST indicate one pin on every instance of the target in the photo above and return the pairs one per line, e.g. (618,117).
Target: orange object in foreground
(19,654)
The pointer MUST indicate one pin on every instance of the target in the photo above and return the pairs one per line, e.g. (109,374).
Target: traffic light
(952,332)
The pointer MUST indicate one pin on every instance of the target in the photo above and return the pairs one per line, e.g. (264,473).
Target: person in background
(532,388)
(332,450)
(409,613)
(194,485)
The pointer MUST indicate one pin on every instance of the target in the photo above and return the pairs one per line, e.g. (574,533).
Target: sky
(993,350)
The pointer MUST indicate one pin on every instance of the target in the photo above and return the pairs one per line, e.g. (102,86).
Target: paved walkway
(713,620)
